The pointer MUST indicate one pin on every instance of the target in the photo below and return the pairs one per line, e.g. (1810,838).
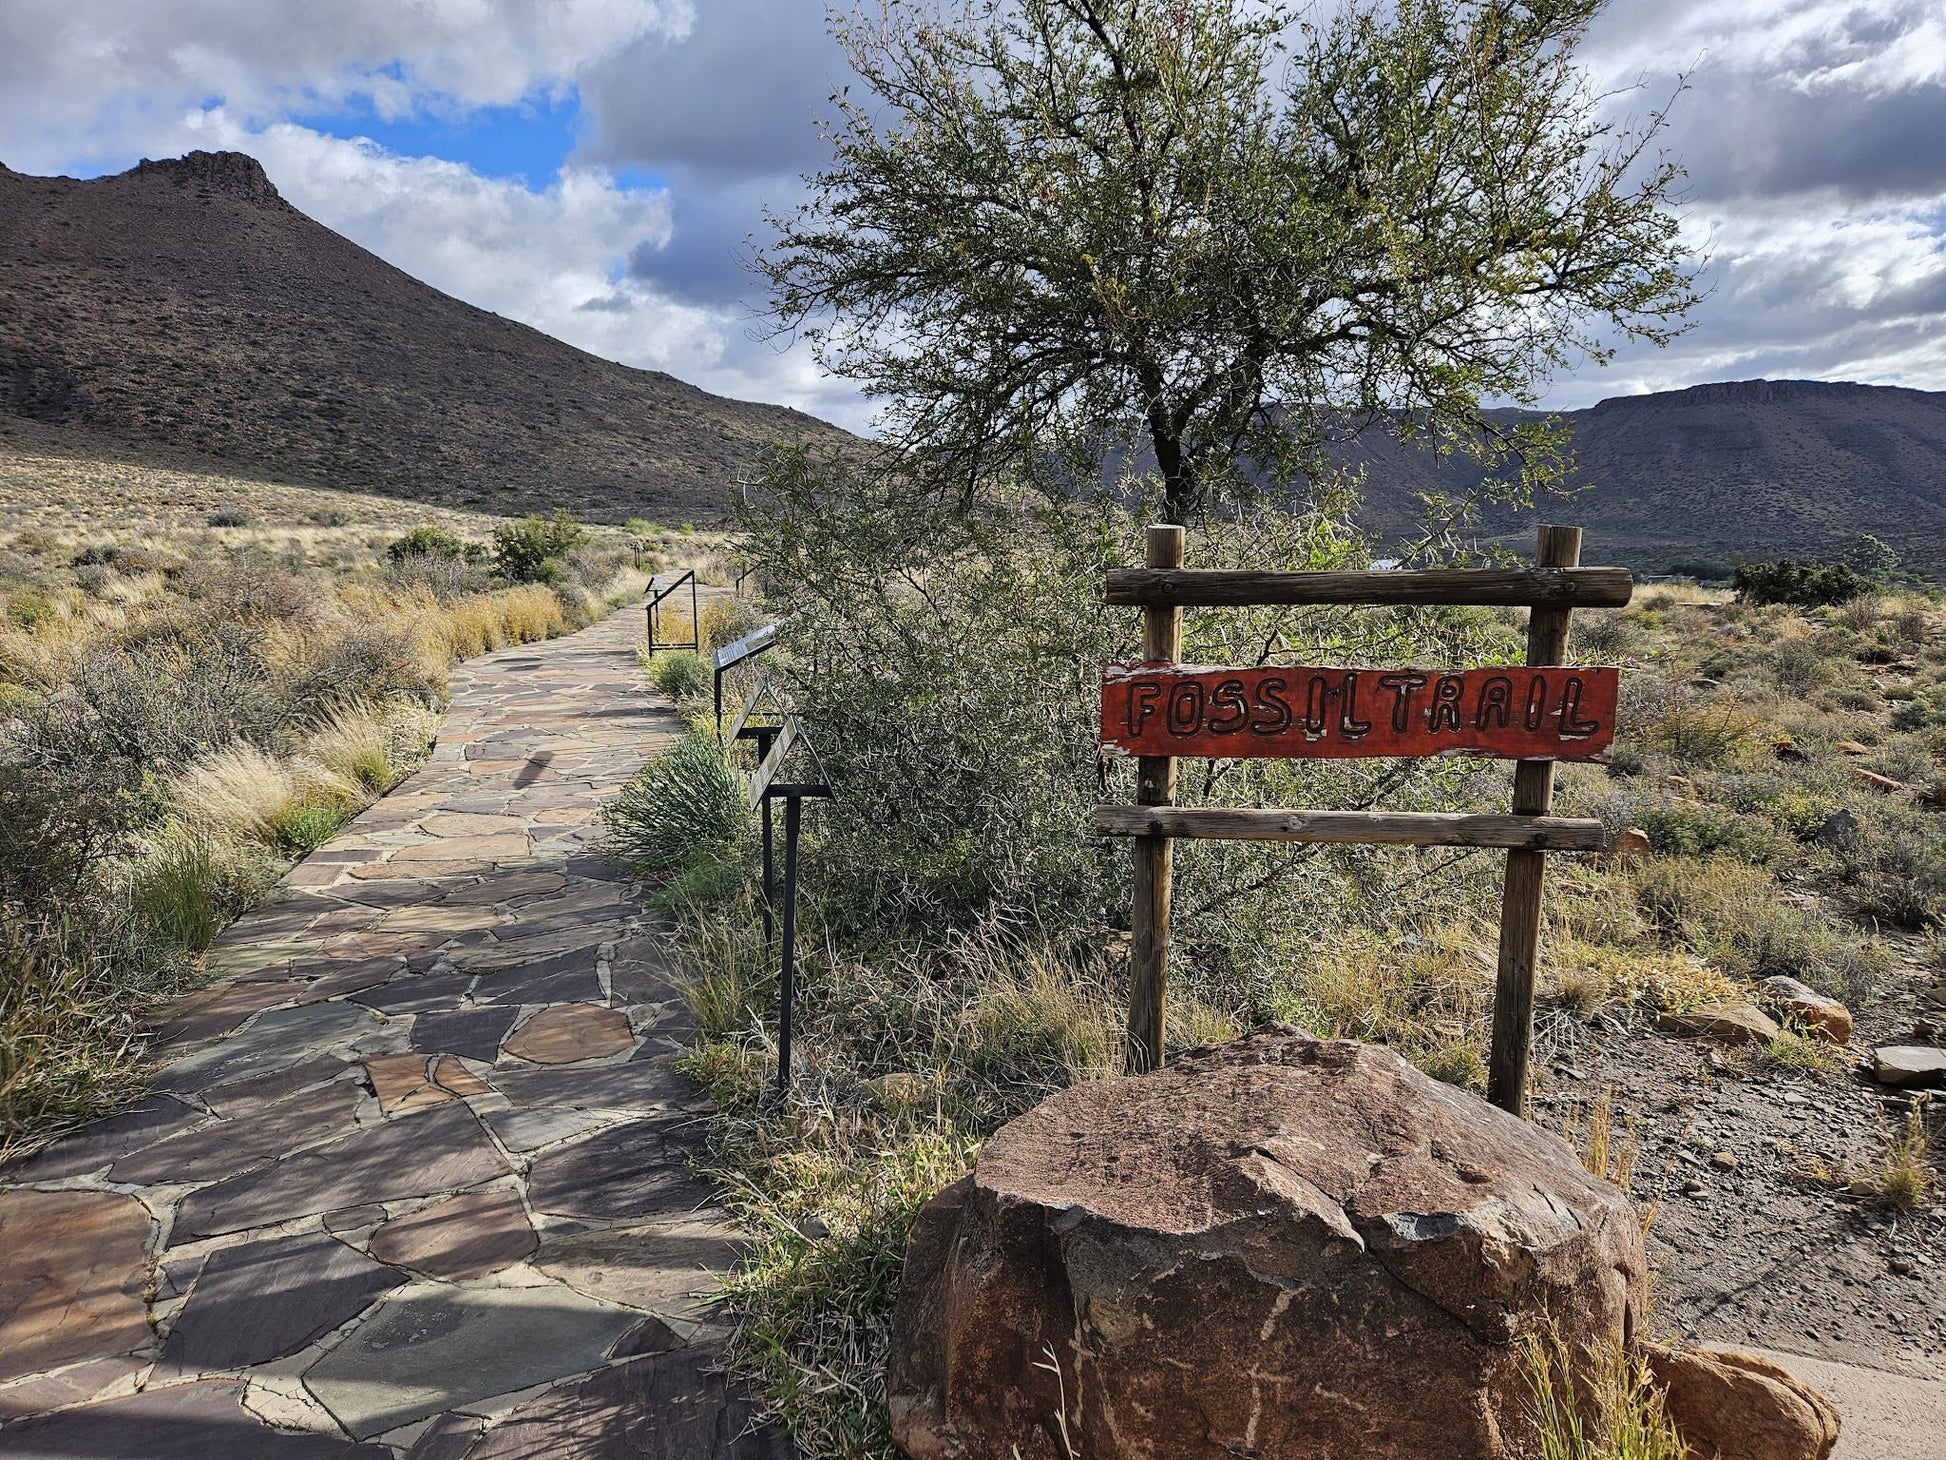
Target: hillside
(183,307)
(1755,468)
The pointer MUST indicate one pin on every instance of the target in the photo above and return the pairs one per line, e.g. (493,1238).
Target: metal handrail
(659,590)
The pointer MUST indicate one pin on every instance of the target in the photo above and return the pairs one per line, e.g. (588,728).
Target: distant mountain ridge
(184,305)
(1742,469)
(185,309)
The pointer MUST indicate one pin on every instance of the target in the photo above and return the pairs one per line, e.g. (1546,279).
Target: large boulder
(1282,1247)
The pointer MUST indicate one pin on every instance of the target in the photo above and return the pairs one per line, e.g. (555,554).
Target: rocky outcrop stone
(1278,1247)
(1909,1066)
(1820,1014)
(1739,1406)
(1729,1022)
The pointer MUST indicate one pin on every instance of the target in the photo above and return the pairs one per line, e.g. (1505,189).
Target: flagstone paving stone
(74,1385)
(205,1421)
(475,1033)
(566,1034)
(626,1172)
(262,1300)
(274,1040)
(377,1255)
(404,1082)
(672,1406)
(246,1096)
(668,1268)
(73,1266)
(465,1236)
(631,1087)
(525,1128)
(229,1147)
(90,1149)
(431,1348)
(442,1149)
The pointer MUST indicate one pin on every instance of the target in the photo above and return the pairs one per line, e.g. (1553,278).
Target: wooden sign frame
(1552,589)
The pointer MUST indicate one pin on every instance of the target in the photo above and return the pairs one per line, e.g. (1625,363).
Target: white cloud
(82,79)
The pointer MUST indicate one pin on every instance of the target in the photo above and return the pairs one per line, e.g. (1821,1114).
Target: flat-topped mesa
(235,173)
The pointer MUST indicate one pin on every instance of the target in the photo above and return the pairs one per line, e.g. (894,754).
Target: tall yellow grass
(245,792)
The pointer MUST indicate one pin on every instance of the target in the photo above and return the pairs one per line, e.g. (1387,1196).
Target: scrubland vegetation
(187,704)
(962,930)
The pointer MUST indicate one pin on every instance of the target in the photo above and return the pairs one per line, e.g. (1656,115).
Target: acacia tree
(1211,233)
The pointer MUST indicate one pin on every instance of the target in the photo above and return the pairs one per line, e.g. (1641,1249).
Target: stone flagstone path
(412,1181)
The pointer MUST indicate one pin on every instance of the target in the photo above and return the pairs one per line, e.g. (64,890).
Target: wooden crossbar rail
(1492,587)
(1390,828)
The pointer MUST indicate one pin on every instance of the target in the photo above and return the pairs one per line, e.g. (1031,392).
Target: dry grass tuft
(244,792)
(1597,1405)
(1589,1126)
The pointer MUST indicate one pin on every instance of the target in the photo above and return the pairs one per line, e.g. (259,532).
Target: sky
(595,167)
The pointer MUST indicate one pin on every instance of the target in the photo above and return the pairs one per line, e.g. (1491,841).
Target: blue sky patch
(529,141)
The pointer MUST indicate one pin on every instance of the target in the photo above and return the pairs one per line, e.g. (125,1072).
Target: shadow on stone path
(412,1180)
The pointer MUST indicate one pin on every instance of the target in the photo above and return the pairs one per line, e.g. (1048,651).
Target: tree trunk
(1178,477)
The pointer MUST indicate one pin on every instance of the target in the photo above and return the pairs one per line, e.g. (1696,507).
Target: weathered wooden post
(1155,785)
(1520,902)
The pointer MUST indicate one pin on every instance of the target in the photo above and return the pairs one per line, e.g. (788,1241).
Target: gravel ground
(1749,1248)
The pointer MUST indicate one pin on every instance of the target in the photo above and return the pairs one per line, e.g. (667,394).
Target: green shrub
(680,675)
(1808,584)
(304,826)
(1698,829)
(178,893)
(686,803)
(535,549)
(69,1004)
(434,542)
(230,517)
(31,609)
(1799,665)
(1915,714)
(56,827)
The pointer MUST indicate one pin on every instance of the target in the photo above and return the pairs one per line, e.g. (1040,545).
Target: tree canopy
(1215,233)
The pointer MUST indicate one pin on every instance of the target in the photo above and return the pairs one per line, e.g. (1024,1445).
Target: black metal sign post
(765,788)
(764,735)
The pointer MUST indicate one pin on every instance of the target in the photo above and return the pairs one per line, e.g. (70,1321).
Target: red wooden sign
(1565,713)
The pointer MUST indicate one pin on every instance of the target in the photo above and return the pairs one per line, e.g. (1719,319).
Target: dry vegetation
(202,678)
(1747,732)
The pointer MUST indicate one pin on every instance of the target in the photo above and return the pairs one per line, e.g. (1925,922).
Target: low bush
(434,542)
(1807,584)
(31,609)
(679,675)
(687,800)
(230,517)
(1894,868)
(70,1000)
(1732,914)
(191,882)
(1682,827)
(535,549)
(372,746)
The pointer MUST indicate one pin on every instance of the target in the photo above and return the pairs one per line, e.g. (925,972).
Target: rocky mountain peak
(234,173)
